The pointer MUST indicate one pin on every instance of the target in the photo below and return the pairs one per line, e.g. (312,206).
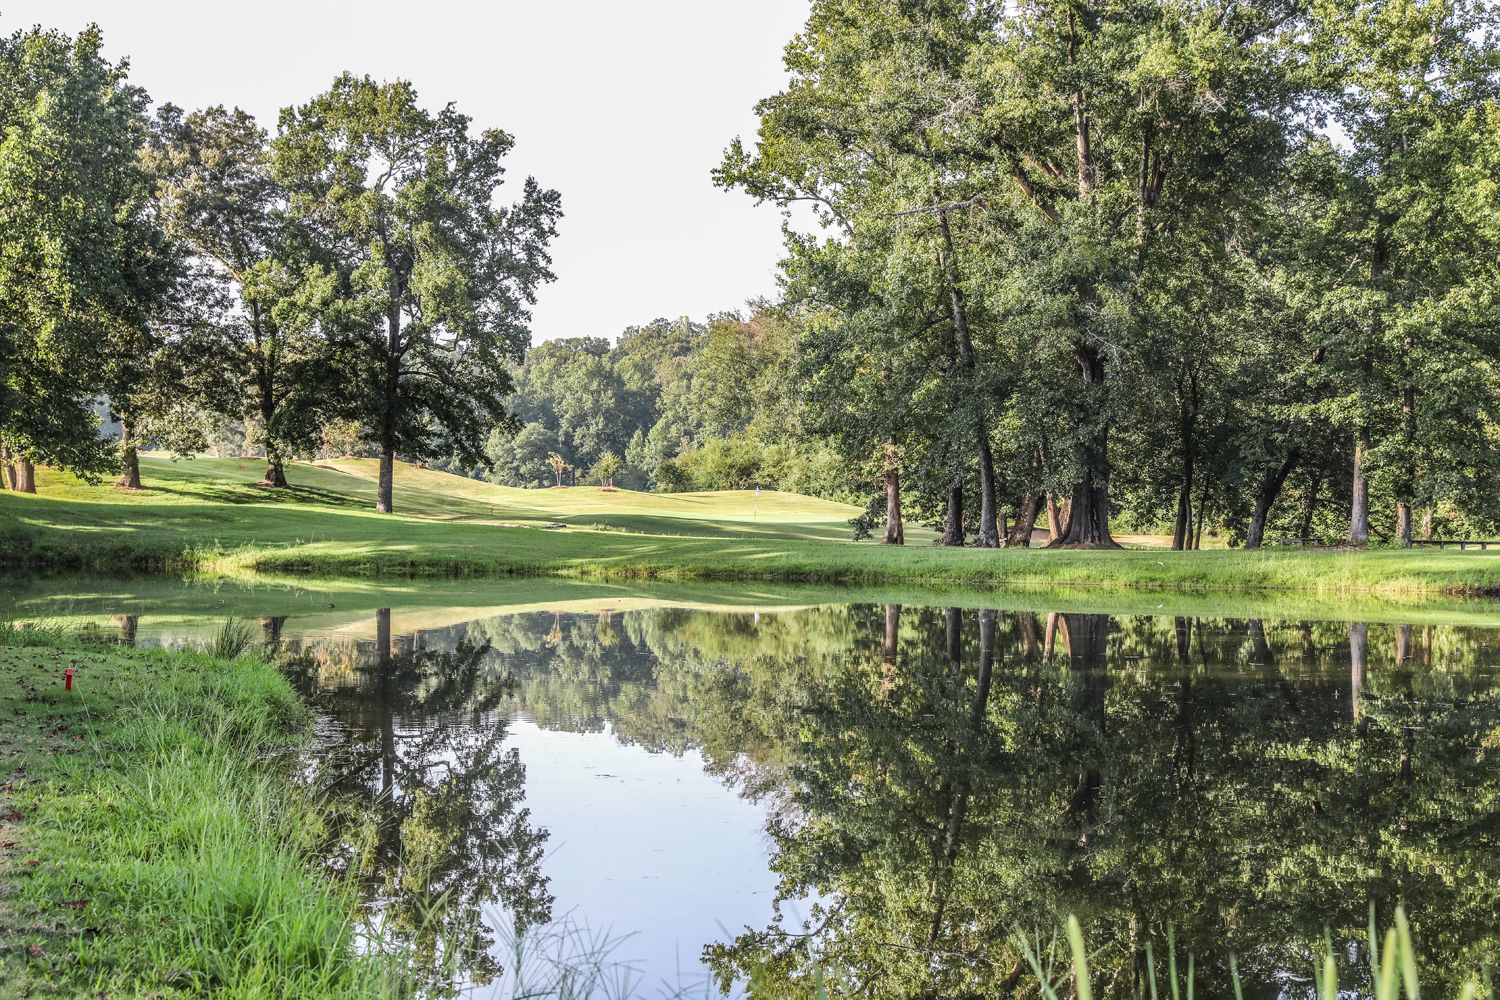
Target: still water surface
(885,792)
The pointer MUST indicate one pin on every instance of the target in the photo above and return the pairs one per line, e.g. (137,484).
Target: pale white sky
(623,107)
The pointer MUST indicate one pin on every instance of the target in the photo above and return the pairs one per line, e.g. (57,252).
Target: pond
(668,791)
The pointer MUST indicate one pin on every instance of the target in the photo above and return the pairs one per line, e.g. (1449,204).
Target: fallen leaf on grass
(35,950)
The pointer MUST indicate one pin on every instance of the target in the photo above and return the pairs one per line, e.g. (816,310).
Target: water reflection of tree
(1148,772)
(936,778)
(423,747)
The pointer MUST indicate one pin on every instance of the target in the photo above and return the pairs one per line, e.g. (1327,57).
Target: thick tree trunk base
(130,476)
(895,528)
(1027,511)
(275,476)
(384,500)
(1088,520)
(25,476)
(953,524)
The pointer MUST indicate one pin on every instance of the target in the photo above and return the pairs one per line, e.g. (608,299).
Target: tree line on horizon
(1224,269)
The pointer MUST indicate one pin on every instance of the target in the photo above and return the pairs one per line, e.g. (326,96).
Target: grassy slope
(153,846)
(208,513)
(349,484)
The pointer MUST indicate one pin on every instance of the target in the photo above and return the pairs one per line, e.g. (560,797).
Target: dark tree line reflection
(937,780)
(440,828)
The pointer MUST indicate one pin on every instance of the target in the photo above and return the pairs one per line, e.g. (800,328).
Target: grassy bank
(235,526)
(154,843)
(193,607)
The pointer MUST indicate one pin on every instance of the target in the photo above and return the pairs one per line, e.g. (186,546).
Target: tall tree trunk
(130,459)
(1409,436)
(1054,517)
(1359,500)
(953,523)
(1027,512)
(386,489)
(1265,498)
(385,500)
(265,376)
(4,465)
(25,475)
(1088,514)
(895,532)
(1359,508)
(1088,511)
(1187,419)
(988,535)
(1199,514)
(1182,528)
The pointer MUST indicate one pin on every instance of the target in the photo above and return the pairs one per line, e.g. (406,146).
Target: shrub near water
(171,847)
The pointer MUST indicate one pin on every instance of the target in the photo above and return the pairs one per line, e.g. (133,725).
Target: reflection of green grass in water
(209,514)
(201,602)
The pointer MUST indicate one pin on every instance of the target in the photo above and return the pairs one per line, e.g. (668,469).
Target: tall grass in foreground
(32,633)
(234,639)
(182,844)
(1392,969)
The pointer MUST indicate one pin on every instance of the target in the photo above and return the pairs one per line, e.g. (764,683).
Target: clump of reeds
(234,639)
(1392,958)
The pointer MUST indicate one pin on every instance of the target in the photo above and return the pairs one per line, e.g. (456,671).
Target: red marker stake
(68,679)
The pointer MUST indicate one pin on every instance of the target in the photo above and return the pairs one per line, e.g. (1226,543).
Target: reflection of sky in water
(646,846)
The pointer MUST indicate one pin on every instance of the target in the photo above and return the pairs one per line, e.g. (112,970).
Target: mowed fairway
(211,514)
(349,484)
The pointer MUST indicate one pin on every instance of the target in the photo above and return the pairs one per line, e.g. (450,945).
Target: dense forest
(1202,268)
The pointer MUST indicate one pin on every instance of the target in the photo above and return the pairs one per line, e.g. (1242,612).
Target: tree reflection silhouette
(422,748)
(937,778)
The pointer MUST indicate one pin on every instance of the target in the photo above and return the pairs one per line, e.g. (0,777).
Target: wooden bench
(1462,543)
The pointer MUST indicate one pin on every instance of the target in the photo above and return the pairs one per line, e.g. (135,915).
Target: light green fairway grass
(209,514)
(350,484)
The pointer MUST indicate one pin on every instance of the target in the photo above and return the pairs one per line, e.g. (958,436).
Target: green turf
(349,484)
(154,838)
(209,514)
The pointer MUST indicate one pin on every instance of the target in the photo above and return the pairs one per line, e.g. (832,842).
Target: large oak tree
(436,276)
